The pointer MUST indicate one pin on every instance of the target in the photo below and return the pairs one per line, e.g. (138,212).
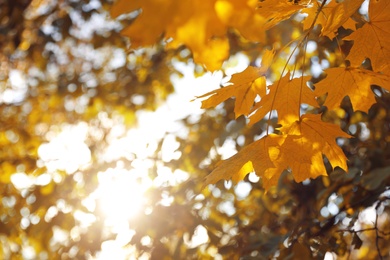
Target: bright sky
(142,141)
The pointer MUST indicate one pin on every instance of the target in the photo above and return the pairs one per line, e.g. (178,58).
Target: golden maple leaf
(311,12)
(242,15)
(338,15)
(154,17)
(275,11)
(246,86)
(199,25)
(285,96)
(352,82)
(331,16)
(253,157)
(373,39)
(202,26)
(300,149)
(307,140)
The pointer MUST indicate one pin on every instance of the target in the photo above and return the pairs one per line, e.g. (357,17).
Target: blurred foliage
(65,66)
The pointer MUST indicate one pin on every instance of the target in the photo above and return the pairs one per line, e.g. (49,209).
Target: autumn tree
(307,117)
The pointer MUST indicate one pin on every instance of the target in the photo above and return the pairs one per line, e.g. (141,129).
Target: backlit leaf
(246,86)
(373,39)
(254,157)
(353,82)
(199,25)
(275,11)
(300,149)
(308,140)
(285,96)
(339,15)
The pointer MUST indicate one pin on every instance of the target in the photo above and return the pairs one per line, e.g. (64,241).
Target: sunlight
(127,161)
(133,132)
(66,149)
(121,191)
(121,194)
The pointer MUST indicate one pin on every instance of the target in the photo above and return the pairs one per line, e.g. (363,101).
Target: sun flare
(121,194)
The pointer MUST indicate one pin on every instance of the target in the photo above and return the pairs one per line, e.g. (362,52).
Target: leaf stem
(317,14)
(303,71)
(305,37)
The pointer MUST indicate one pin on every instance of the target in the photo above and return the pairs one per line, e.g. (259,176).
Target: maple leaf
(246,86)
(312,11)
(373,39)
(306,141)
(352,82)
(339,15)
(275,11)
(151,23)
(242,15)
(331,16)
(253,157)
(285,96)
(201,30)
(199,25)
(300,149)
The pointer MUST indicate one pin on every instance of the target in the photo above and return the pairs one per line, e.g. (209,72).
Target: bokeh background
(103,150)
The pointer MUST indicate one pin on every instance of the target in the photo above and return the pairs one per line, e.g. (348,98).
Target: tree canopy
(289,158)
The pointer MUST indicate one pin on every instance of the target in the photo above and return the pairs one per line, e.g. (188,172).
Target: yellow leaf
(300,149)
(123,6)
(254,157)
(373,39)
(242,15)
(312,11)
(266,61)
(306,141)
(339,15)
(151,23)
(285,96)
(246,86)
(213,53)
(350,24)
(353,82)
(201,26)
(275,11)
(326,17)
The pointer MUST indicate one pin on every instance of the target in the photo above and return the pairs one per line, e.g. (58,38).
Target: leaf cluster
(317,139)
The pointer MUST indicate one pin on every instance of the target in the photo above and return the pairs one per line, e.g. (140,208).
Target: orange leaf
(254,157)
(201,26)
(275,11)
(286,97)
(246,86)
(339,15)
(242,15)
(300,149)
(353,82)
(373,39)
(123,6)
(312,11)
(306,141)
(151,23)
